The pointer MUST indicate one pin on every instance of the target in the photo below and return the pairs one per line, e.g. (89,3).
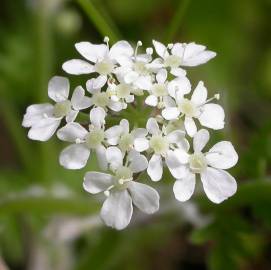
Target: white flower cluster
(121,75)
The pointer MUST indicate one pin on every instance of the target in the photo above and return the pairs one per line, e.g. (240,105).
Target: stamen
(170,46)
(139,43)
(106,40)
(107,193)
(216,96)
(149,51)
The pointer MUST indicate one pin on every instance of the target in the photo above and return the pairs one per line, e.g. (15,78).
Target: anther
(106,193)
(149,51)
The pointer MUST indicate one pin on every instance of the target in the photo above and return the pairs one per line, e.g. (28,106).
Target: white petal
(170,113)
(196,55)
(74,156)
(152,126)
(175,136)
(138,162)
(79,100)
(130,77)
(169,101)
(155,168)
(200,140)
(35,113)
(101,156)
(184,188)
(222,155)
(190,126)
(212,116)
(71,132)
(119,49)
(175,166)
(71,116)
(91,52)
(141,144)
(114,157)
(139,132)
(144,197)
(178,72)
(151,100)
(115,106)
(97,116)
(161,76)
(95,182)
(178,49)
(129,98)
(182,155)
(44,129)
(117,210)
(58,88)
(181,85)
(125,125)
(95,84)
(77,67)
(160,48)
(144,82)
(218,185)
(184,145)
(199,95)
(113,134)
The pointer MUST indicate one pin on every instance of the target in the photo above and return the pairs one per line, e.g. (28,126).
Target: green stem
(175,23)
(47,205)
(98,20)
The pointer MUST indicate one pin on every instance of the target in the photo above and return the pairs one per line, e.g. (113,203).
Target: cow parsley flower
(121,189)
(44,119)
(162,147)
(198,107)
(181,54)
(103,59)
(217,183)
(123,76)
(85,141)
(122,137)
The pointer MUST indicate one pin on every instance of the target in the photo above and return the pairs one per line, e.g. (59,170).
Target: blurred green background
(47,221)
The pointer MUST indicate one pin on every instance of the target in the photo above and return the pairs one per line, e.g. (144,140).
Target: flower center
(188,107)
(173,61)
(126,142)
(197,163)
(123,176)
(104,67)
(62,108)
(140,68)
(159,144)
(100,99)
(159,89)
(123,90)
(94,138)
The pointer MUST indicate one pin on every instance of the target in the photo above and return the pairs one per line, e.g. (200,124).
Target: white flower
(103,59)
(124,139)
(76,155)
(121,92)
(182,54)
(218,184)
(135,70)
(44,119)
(160,91)
(121,191)
(162,146)
(209,114)
(103,99)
